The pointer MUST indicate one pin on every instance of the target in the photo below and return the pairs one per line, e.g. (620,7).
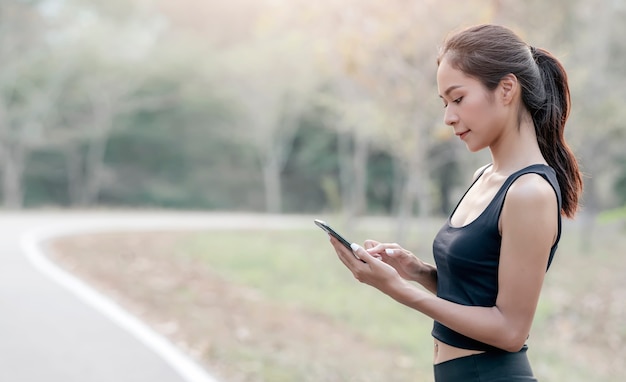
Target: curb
(181,363)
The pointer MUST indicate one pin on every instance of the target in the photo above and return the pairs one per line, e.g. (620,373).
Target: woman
(493,252)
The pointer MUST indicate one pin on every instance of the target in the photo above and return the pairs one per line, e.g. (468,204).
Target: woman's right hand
(406,263)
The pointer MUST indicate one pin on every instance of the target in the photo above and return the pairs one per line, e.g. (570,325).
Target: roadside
(211,318)
(141,267)
(49,333)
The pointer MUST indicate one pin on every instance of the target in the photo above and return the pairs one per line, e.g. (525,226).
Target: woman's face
(470,108)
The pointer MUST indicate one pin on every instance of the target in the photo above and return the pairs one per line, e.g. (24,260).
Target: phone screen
(332,232)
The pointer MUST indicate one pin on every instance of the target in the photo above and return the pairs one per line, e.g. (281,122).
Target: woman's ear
(508,88)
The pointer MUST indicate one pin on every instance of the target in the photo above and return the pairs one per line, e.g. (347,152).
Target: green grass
(300,268)
(617,214)
(570,338)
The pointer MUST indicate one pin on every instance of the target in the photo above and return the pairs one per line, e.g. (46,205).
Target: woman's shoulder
(531,211)
(531,191)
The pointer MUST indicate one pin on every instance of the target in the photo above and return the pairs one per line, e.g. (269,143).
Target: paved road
(53,328)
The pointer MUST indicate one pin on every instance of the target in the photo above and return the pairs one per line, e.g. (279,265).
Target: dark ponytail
(549,120)
(490,52)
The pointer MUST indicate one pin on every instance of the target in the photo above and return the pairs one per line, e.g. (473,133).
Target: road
(54,328)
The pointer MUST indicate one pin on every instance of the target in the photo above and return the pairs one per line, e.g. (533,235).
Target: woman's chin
(473,147)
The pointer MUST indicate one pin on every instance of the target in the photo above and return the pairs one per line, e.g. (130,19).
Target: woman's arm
(427,277)
(528,226)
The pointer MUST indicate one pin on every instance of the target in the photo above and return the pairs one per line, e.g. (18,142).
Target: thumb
(361,253)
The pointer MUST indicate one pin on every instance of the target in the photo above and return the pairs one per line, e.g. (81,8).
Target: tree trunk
(408,197)
(102,124)
(405,209)
(415,191)
(416,188)
(271,178)
(74,171)
(94,170)
(13,168)
(358,204)
(399,178)
(590,198)
(345,172)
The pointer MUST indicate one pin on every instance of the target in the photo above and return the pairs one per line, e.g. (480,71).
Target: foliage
(620,182)
(257,105)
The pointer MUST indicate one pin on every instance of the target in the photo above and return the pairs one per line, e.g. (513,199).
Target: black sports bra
(468,257)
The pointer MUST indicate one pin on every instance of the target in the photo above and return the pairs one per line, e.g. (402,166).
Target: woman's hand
(369,269)
(409,267)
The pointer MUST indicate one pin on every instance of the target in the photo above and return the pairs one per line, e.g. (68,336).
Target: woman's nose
(450,118)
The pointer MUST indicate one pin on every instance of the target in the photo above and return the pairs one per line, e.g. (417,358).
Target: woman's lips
(463,134)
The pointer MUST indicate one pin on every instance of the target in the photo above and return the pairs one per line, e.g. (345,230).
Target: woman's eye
(457,100)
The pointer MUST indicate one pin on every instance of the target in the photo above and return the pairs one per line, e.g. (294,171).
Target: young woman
(492,253)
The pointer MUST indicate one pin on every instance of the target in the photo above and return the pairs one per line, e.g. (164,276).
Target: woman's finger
(345,255)
(378,248)
(395,253)
(361,253)
(370,244)
(382,247)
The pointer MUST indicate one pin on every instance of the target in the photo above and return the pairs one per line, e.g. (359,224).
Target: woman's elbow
(512,342)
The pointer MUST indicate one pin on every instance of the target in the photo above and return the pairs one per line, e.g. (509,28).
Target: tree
(270,79)
(28,91)
(110,69)
(384,53)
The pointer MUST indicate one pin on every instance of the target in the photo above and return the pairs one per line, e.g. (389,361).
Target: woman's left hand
(369,270)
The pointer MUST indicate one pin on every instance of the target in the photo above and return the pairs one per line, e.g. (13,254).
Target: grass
(617,214)
(298,268)
(270,305)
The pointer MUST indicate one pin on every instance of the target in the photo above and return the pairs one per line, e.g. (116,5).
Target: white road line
(188,370)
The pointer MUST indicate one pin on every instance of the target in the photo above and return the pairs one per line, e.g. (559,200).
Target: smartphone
(333,233)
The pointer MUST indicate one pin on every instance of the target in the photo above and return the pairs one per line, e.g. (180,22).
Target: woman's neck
(516,148)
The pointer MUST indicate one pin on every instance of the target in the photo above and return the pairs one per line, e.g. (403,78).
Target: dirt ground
(236,333)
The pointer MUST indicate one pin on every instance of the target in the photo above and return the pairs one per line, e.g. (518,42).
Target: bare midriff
(445,352)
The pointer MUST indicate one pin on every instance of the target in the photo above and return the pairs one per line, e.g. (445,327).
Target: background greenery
(279,106)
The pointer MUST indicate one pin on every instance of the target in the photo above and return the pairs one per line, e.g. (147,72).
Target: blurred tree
(600,130)
(383,57)
(30,82)
(620,182)
(271,78)
(112,63)
(308,176)
(177,103)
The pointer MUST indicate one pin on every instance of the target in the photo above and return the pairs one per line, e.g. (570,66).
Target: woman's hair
(490,52)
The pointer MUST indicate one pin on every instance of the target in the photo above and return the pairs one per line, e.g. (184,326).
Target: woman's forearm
(426,275)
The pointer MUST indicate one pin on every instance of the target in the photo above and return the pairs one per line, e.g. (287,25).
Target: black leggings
(486,367)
